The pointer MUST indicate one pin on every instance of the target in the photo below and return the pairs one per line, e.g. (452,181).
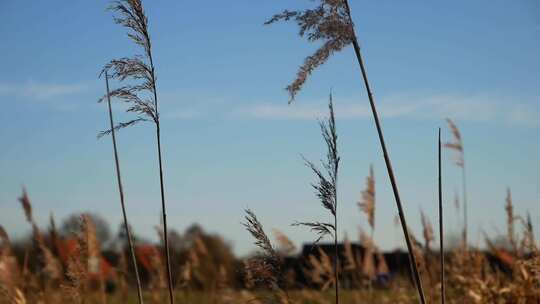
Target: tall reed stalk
(326,189)
(142,96)
(387,161)
(367,205)
(121,192)
(441,226)
(457,146)
(331,22)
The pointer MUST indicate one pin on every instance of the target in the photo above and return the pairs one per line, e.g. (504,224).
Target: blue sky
(230,139)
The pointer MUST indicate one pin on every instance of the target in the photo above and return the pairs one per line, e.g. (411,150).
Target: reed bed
(53,267)
(76,266)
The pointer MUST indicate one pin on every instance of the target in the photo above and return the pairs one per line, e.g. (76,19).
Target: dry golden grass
(49,271)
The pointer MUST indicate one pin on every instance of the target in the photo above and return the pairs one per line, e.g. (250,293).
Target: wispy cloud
(183,114)
(39,91)
(474,108)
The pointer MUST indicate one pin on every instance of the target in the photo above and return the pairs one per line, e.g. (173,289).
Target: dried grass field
(79,261)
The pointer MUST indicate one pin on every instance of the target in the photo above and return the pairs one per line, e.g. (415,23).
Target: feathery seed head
(329,23)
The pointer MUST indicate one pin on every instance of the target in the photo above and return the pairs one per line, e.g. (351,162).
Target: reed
(121,192)
(326,189)
(427,231)
(510,218)
(367,202)
(457,147)
(367,205)
(529,241)
(331,22)
(441,222)
(286,245)
(141,97)
(265,268)
(52,267)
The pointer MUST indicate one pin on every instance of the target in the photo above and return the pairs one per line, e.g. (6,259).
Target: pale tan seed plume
(53,267)
(319,270)
(330,23)
(75,287)
(367,201)
(457,147)
(509,208)
(427,230)
(92,244)
(286,246)
(457,144)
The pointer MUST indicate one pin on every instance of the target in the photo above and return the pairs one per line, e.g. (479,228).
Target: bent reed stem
(416,274)
(121,191)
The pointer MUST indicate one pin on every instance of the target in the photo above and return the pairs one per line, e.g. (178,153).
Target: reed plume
(427,230)
(457,147)
(286,246)
(510,218)
(141,97)
(121,192)
(367,202)
(529,240)
(320,270)
(330,22)
(78,266)
(326,188)
(52,266)
(265,268)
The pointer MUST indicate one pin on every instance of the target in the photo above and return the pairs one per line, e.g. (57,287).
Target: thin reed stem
(336,259)
(336,252)
(121,191)
(465,219)
(441,232)
(161,186)
(416,274)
